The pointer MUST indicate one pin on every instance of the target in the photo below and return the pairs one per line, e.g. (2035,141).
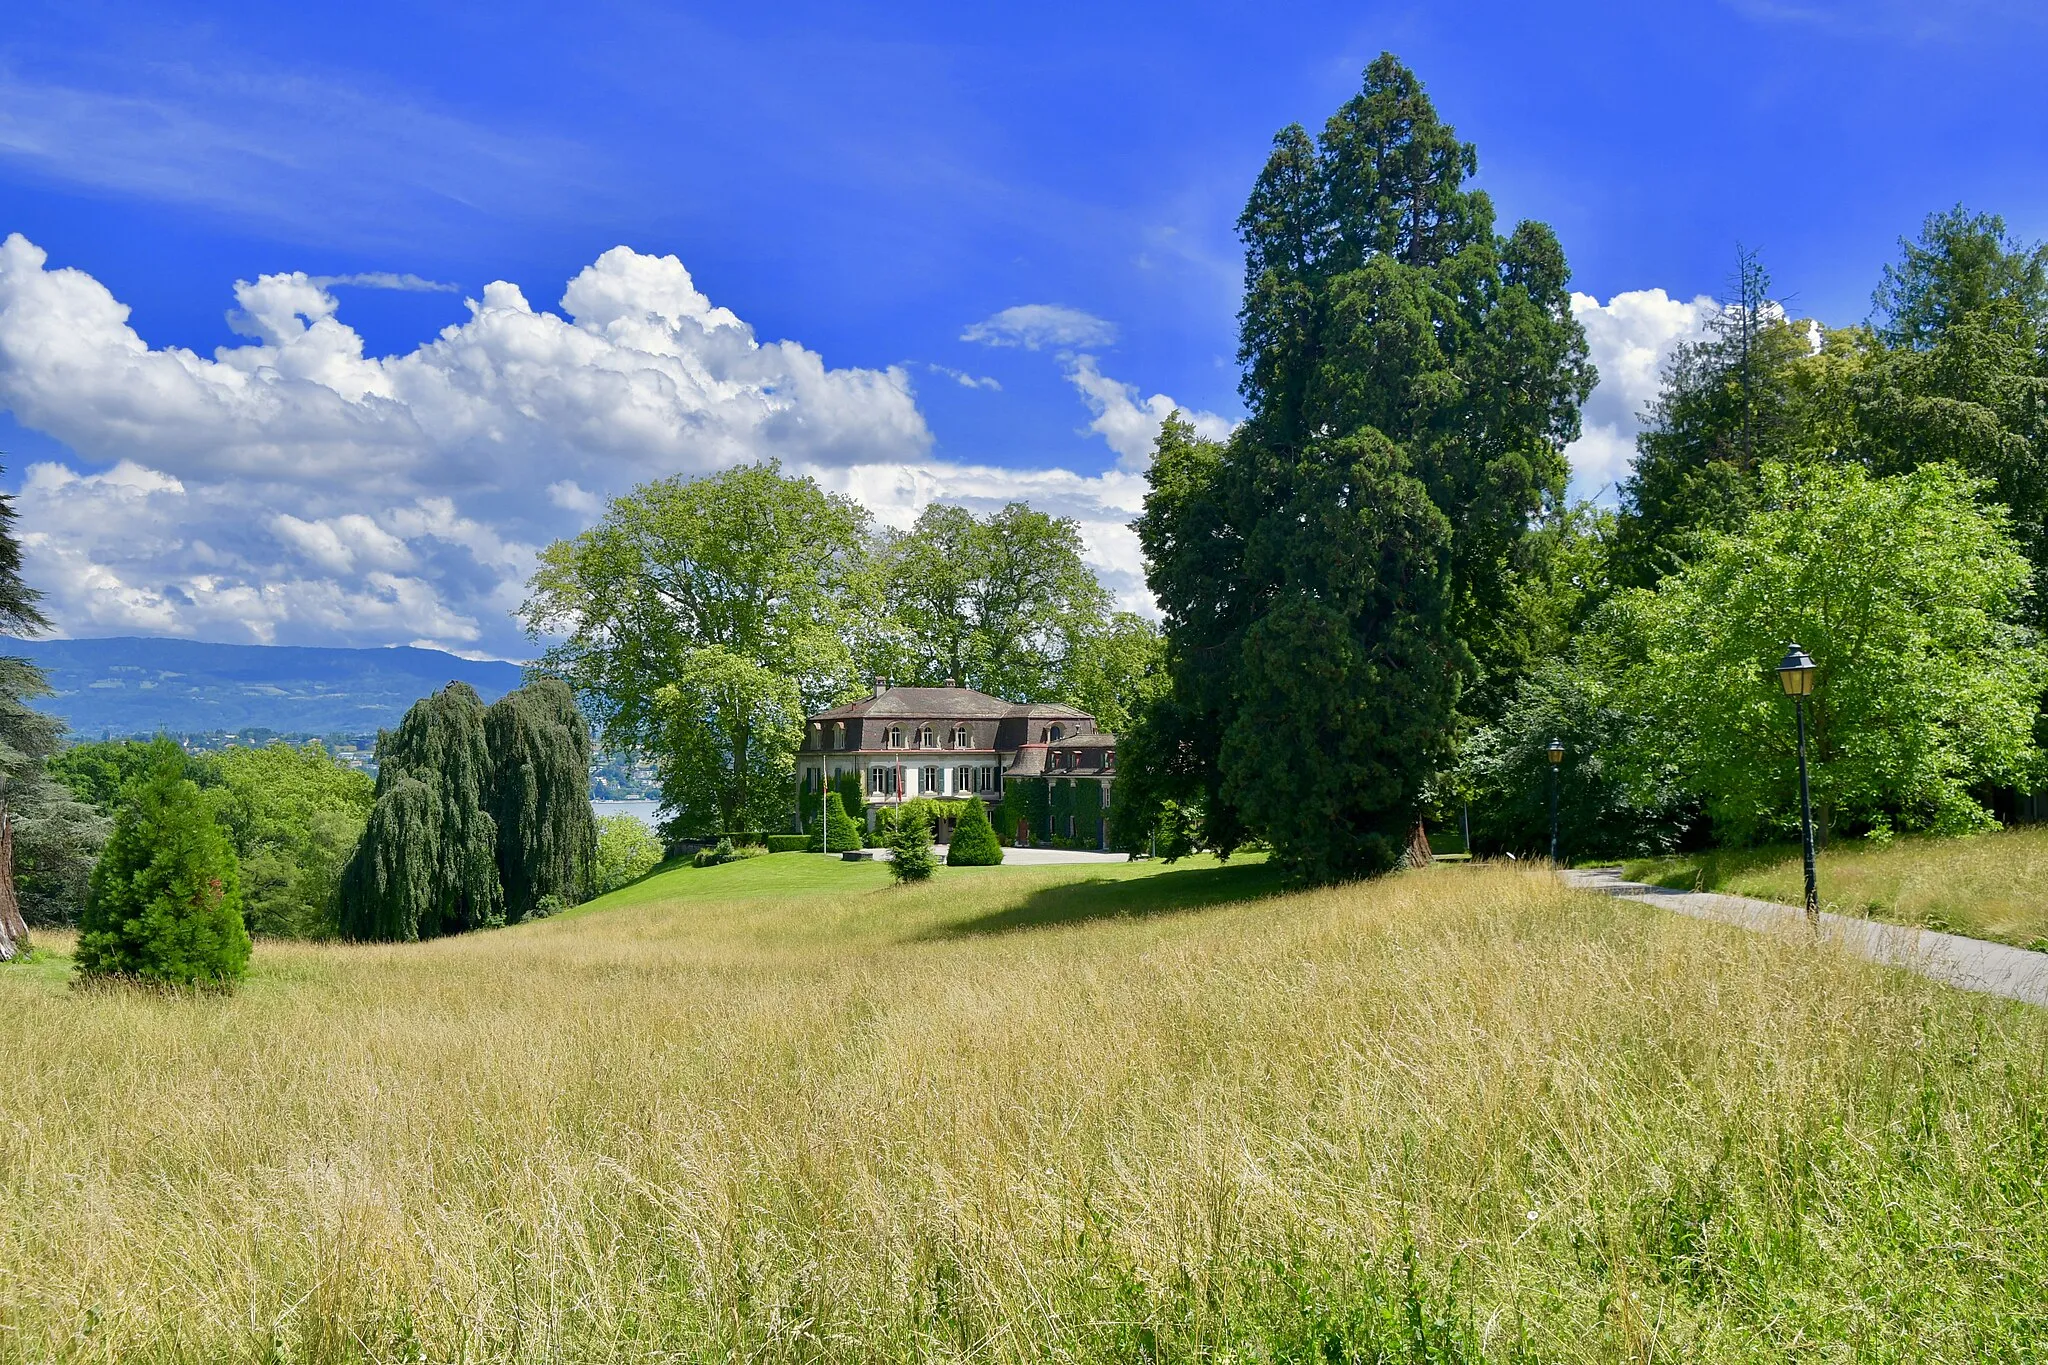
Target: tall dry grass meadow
(1991,886)
(1031,1114)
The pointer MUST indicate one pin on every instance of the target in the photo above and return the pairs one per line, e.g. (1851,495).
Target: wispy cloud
(1901,20)
(966,380)
(384,279)
(1035,326)
(328,159)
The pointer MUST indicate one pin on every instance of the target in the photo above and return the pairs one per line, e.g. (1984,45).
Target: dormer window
(1056,732)
(926,740)
(960,737)
(838,734)
(895,740)
(1108,759)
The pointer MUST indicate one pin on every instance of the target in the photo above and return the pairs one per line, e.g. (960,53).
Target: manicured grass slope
(778,1110)
(1991,886)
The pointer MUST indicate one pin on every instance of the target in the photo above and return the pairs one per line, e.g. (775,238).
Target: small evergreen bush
(910,848)
(165,902)
(974,840)
(548,905)
(846,834)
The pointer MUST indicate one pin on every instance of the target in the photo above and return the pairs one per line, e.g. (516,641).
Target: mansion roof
(946,703)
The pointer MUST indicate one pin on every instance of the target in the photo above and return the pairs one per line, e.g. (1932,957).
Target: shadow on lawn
(1101,898)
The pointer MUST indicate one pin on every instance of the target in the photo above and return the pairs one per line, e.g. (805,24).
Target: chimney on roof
(952,682)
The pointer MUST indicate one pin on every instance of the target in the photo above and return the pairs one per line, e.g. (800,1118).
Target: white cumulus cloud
(294,488)
(1630,337)
(1129,422)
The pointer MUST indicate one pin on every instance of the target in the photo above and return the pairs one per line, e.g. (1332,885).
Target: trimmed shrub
(974,840)
(910,848)
(853,794)
(720,852)
(788,843)
(846,835)
(165,902)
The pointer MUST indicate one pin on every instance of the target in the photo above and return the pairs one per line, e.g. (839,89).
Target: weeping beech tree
(540,799)
(428,861)
(479,814)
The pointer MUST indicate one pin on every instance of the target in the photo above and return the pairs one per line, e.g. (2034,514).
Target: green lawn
(1990,886)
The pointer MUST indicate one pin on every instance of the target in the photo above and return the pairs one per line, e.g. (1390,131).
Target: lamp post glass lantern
(1795,674)
(1556,755)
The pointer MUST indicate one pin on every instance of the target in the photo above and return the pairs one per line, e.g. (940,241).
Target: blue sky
(871,187)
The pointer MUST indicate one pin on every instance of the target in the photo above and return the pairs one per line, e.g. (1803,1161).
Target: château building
(903,743)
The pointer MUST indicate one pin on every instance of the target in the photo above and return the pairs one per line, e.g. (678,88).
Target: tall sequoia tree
(539,745)
(1334,574)
(428,862)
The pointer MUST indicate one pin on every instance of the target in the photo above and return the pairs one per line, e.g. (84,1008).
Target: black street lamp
(1796,673)
(1556,752)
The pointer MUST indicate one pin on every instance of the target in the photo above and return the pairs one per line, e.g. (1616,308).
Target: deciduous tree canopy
(1002,603)
(1906,591)
(699,613)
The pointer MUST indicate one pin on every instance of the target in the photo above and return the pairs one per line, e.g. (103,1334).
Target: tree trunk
(13,929)
(1418,847)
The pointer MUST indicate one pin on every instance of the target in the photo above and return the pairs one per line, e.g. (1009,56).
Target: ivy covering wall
(1024,799)
(1050,807)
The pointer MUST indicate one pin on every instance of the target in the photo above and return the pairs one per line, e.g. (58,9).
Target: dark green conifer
(540,796)
(910,847)
(846,835)
(1336,573)
(165,901)
(427,864)
(974,839)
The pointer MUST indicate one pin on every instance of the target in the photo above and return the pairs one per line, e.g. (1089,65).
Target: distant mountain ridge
(127,685)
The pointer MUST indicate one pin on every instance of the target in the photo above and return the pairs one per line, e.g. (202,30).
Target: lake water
(643,809)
